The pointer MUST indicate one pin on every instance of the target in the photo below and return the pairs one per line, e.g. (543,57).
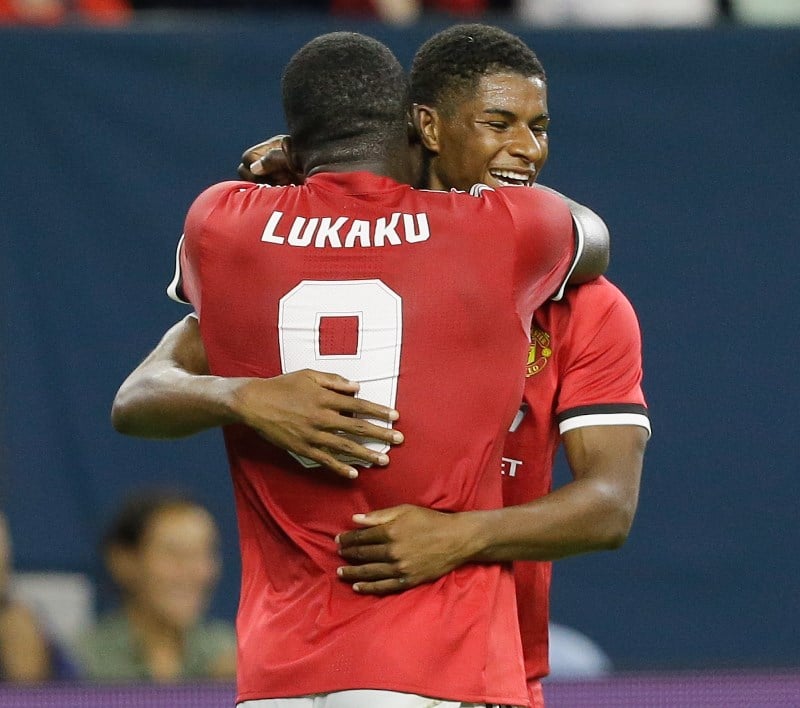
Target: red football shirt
(584,368)
(426,298)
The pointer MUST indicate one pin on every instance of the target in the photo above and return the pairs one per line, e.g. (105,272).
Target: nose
(527,145)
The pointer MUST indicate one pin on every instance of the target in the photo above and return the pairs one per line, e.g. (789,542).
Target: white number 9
(352,328)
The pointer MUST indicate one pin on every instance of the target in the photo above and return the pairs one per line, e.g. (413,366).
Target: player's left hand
(402,547)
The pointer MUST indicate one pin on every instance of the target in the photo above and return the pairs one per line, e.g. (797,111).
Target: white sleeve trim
(583,421)
(173,289)
(579,243)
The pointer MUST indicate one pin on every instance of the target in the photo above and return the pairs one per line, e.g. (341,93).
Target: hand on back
(311,413)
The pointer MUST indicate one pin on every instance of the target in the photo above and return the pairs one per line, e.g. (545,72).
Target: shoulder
(596,322)
(599,301)
(235,191)
(221,208)
(521,198)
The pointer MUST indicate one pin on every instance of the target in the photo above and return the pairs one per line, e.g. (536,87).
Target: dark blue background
(686,142)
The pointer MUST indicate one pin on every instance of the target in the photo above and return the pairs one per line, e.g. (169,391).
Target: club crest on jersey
(539,353)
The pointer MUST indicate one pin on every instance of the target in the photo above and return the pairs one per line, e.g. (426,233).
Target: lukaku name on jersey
(345,232)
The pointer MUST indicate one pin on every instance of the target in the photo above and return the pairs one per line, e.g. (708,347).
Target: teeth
(512,177)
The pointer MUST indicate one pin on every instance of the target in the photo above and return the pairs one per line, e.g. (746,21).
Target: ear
(287,145)
(426,122)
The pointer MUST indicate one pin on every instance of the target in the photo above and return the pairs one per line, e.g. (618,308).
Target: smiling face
(497,134)
(170,574)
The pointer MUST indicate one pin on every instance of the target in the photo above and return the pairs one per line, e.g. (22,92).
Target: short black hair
(452,62)
(345,94)
(137,512)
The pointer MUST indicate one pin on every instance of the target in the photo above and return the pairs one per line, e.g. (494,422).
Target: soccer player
(481,108)
(360,272)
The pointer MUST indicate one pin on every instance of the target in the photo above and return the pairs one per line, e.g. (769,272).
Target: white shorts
(364,698)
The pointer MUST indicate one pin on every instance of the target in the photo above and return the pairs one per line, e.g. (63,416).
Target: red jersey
(426,299)
(584,368)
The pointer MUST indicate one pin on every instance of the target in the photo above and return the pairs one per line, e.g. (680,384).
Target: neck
(162,645)
(431,178)
(400,172)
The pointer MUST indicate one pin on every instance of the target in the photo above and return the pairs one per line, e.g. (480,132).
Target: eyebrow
(501,111)
(510,114)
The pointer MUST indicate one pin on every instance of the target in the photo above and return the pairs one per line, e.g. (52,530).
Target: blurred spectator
(618,13)
(407,11)
(766,12)
(24,650)
(53,12)
(162,554)
(219,5)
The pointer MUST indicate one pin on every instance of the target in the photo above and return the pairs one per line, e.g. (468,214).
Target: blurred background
(677,121)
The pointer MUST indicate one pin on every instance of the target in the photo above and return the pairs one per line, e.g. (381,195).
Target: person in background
(404,12)
(24,648)
(617,13)
(56,12)
(162,553)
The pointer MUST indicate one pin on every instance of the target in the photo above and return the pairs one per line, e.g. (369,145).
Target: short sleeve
(185,284)
(602,383)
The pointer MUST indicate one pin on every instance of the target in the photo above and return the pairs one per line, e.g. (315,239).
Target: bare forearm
(405,546)
(310,413)
(593,512)
(163,401)
(580,517)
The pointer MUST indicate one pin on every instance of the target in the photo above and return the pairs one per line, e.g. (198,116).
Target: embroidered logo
(539,352)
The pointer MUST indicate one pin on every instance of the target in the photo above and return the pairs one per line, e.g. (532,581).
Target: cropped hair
(131,522)
(452,62)
(345,95)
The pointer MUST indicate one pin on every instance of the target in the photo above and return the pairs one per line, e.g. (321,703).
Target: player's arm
(604,428)
(592,233)
(171,394)
(404,546)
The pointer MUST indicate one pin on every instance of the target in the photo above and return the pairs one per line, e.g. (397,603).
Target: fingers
(325,459)
(255,152)
(343,400)
(371,553)
(375,579)
(266,163)
(334,382)
(343,447)
(383,587)
(270,169)
(339,454)
(368,409)
(340,423)
(378,517)
(365,546)
(273,169)
(245,174)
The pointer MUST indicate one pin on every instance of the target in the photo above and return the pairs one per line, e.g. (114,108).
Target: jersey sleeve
(185,284)
(602,383)
(548,244)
